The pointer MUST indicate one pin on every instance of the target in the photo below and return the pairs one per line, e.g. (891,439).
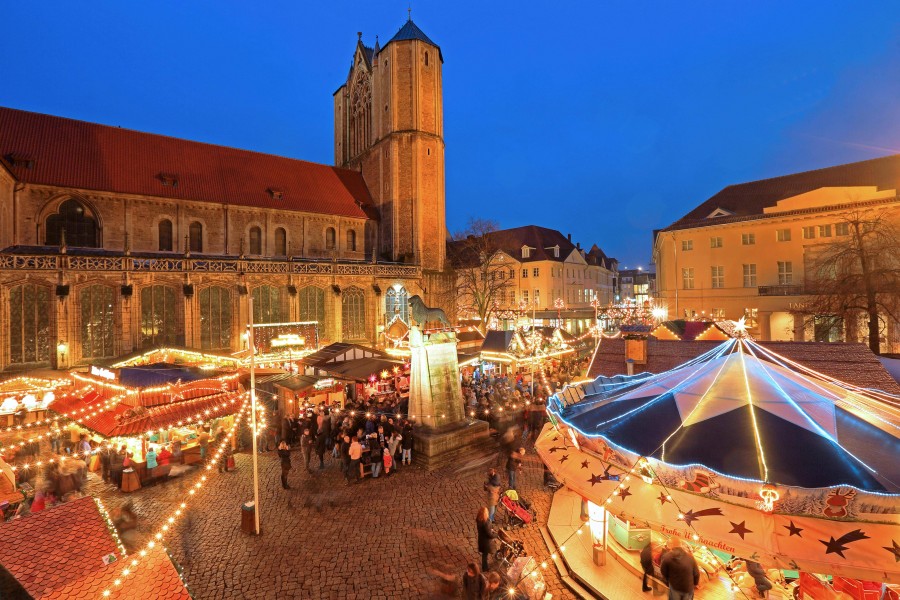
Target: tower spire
(409,12)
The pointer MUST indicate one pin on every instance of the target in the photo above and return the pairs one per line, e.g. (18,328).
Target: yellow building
(747,250)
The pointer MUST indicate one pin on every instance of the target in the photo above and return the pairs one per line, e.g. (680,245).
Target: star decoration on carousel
(691,516)
(555,438)
(585,464)
(837,546)
(740,528)
(662,499)
(625,492)
(793,529)
(895,550)
(564,458)
(555,448)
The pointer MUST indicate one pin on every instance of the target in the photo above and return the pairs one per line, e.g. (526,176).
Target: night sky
(601,119)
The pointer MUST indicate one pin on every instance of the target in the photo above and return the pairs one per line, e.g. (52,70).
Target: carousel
(742,455)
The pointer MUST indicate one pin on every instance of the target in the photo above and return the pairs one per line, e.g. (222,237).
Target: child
(388,461)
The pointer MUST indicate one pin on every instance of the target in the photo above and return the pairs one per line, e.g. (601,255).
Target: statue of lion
(422,314)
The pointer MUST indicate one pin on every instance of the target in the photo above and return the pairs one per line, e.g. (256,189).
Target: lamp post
(252,341)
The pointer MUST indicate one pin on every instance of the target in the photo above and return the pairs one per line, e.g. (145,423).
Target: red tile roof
(81,155)
(154,577)
(541,240)
(751,198)
(852,363)
(47,550)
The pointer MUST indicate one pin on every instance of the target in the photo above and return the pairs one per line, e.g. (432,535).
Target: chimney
(578,245)
(569,236)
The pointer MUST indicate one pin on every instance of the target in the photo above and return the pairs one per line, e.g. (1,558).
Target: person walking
(203,441)
(760,578)
(354,474)
(473,583)
(306,447)
(284,453)
(485,535)
(407,443)
(512,466)
(321,448)
(492,487)
(679,571)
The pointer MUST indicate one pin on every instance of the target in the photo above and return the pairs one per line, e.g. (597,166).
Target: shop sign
(324,383)
(103,373)
(286,340)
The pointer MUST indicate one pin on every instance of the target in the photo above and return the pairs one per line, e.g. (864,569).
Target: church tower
(388,124)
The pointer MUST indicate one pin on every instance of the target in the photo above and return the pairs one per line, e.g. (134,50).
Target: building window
(537,297)
(351,240)
(330,238)
(215,318)
(748,239)
(524,273)
(687,278)
(195,237)
(158,318)
(749,276)
(841,229)
(267,305)
(280,241)
(525,296)
(255,241)
(165,235)
(687,245)
(715,242)
(426,58)
(824,230)
(312,305)
(827,328)
(526,252)
(783,235)
(97,321)
(29,324)
(718,277)
(809,233)
(396,303)
(785,273)
(536,272)
(353,313)
(751,317)
(76,221)
(718,314)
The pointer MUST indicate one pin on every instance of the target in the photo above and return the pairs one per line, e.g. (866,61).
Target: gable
(576,257)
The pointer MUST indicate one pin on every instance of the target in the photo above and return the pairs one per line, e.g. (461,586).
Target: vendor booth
(743,456)
(24,400)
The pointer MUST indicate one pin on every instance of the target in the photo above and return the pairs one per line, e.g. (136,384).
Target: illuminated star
(837,546)
(624,493)
(895,550)
(793,529)
(662,499)
(585,464)
(739,528)
(564,458)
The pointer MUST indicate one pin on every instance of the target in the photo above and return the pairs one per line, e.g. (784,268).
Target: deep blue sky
(601,119)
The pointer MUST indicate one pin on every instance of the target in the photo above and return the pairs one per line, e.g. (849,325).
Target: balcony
(780,290)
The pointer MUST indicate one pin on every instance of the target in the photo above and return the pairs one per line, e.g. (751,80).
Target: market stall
(24,400)
(740,454)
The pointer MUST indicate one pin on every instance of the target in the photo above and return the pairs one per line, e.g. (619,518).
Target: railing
(780,290)
(25,262)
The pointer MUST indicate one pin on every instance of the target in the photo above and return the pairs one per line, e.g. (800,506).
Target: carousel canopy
(743,411)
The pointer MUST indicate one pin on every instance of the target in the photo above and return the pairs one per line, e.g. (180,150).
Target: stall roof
(361,368)
(297,383)
(340,352)
(497,341)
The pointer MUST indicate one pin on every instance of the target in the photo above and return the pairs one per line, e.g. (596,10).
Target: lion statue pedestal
(435,400)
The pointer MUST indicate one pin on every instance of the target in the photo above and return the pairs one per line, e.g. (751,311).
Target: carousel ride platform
(620,578)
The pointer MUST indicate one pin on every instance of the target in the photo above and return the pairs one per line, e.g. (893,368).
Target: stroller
(518,510)
(510,548)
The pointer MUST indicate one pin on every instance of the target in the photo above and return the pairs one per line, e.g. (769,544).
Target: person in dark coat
(647,566)
(492,487)
(485,535)
(321,448)
(679,571)
(473,583)
(755,570)
(284,453)
(512,466)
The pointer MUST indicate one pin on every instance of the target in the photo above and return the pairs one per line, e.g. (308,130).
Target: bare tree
(858,273)
(482,271)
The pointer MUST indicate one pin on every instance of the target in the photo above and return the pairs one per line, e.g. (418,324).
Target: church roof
(411,31)
(48,150)
(744,200)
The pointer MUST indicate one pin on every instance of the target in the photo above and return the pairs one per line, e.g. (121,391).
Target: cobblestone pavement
(323,538)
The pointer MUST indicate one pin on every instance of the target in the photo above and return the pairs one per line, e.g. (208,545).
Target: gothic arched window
(195,237)
(267,305)
(351,240)
(280,242)
(165,235)
(255,240)
(158,318)
(98,326)
(353,313)
(215,318)
(312,305)
(330,239)
(360,113)
(29,324)
(396,304)
(75,219)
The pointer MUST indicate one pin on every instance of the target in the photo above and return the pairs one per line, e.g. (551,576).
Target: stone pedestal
(444,435)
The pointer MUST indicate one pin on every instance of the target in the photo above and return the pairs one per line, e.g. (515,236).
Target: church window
(312,305)
(195,237)
(351,240)
(280,241)
(215,318)
(267,305)
(330,238)
(158,318)
(165,235)
(255,241)
(353,313)
(396,303)
(426,59)
(97,321)
(360,114)
(29,324)
(76,221)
